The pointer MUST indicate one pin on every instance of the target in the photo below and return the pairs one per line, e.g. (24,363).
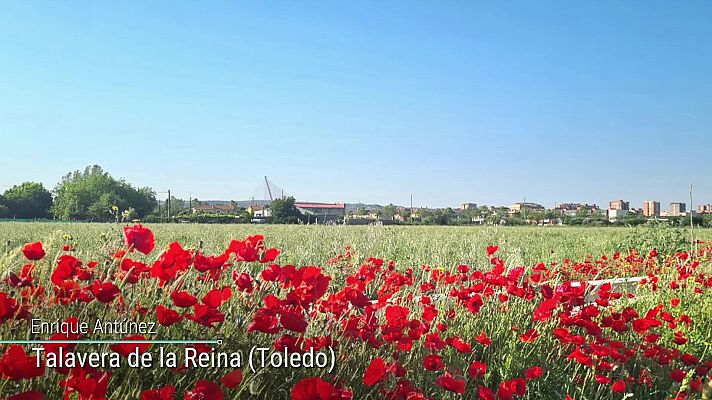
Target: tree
(285,212)
(4,211)
(390,210)
(94,194)
(28,200)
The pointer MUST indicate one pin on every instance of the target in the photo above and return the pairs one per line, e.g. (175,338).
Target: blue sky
(485,102)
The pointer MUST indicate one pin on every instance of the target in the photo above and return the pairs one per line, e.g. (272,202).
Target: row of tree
(91,194)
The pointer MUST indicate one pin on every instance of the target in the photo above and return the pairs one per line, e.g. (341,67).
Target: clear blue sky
(484,102)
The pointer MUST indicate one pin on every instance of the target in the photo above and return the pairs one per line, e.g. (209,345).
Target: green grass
(304,245)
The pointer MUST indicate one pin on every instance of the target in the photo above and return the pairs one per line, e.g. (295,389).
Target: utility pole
(692,225)
(168,204)
(411,208)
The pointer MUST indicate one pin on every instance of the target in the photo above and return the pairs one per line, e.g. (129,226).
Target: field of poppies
(410,312)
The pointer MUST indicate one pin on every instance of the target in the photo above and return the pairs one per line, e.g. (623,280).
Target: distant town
(93,195)
(618,212)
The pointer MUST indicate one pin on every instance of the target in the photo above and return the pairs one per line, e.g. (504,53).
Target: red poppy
(33,251)
(8,307)
(460,345)
(166,316)
(375,372)
(247,250)
(485,393)
(678,375)
(545,309)
(491,250)
(483,339)
(16,364)
(619,386)
(87,383)
(140,238)
(215,297)
(293,321)
(232,379)
(433,362)
(269,255)
(477,370)
(205,390)
(508,389)
(244,281)
(30,395)
(183,299)
(171,262)
(127,348)
(313,389)
(530,336)
(533,372)
(448,382)
(105,292)
(205,315)
(164,393)
(66,268)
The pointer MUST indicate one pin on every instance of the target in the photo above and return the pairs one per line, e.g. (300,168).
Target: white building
(613,215)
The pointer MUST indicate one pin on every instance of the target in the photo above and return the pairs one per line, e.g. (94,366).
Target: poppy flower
(533,372)
(66,268)
(247,250)
(16,364)
(269,255)
(619,386)
(375,371)
(678,375)
(174,260)
(205,315)
(140,238)
(477,370)
(529,336)
(293,321)
(232,379)
(244,281)
(166,316)
(460,345)
(8,307)
(491,250)
(105,292)
(484,393)
(433,362)
(183,299)
(448,382)
(216,297)
(127,348)
(87,383)
(30,395)
(33,251)
(508,389)
(312,389)
(204,390)
(164,393)
(483,339)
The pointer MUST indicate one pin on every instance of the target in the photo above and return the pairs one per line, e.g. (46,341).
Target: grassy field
(413,245)
(507,310)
